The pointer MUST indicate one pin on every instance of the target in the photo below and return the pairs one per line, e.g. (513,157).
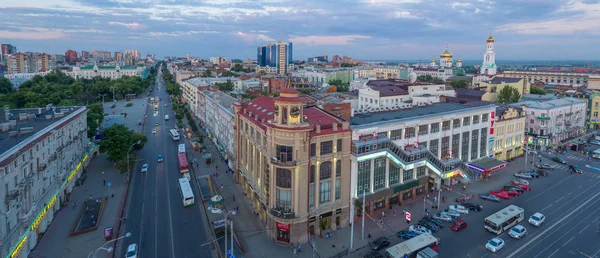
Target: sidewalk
(57,242)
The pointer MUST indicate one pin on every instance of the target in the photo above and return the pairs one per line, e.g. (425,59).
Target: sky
(362,29)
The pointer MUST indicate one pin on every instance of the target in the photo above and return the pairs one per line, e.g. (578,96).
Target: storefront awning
(487,164)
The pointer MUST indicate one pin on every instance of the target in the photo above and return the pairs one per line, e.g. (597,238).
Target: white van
(166,117)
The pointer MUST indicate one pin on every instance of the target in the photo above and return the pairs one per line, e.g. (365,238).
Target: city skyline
(402,30)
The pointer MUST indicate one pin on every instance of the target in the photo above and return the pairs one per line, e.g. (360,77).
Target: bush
(129,104)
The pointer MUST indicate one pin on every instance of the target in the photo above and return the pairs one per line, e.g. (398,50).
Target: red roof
(288,91)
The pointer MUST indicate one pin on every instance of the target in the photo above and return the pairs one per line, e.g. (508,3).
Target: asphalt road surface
(156,217)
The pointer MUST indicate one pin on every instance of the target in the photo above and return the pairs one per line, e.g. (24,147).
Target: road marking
(584,229)
(554,225)
(596,253)
(595,220)
(547,207)
(169,207)
(559,199)
(553,253)
(550,188)
(569,240)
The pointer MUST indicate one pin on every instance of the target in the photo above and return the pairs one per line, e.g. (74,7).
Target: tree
(207,73)
(228,74)
(262,72)
(347,65)
(536,90)
(95,116)
(5,85)
(508,94)
(336,82)
(425,78)
(225,86)
(459,84)
(116,141)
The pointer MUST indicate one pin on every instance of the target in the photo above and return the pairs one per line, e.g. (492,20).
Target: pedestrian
(394,212)
(91,197)
(295,254)
(434,199)
(234,197)
(217,173)
(221,187)
(217,166)
(102,173)
(443,198)
(237,208)
(104,182)
(464,187)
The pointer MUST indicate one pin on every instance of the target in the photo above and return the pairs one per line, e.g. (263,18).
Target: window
(396,134)
(284,199)
(410,132)
(338,168)
(258,139)
(394,174)
(285,153)
(326,147)
(252,133)
(325,193)
(484,118)
(475,119)
(311,195)
(464,155)
(433,147)
(284,178)
(325,170)
(421,171)
(483,142)
(423,129)
(435,127)
(466,121)
(474,144)
(338,189)
(364,176)
(456,123)
(596,113)
(313,149)
(407,175)
(339,145)
(446,146)
(455,145)
(379,176)
(312,173)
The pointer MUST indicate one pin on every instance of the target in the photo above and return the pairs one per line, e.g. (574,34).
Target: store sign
(283,227)
(39,218)
(219,223)
(15,253)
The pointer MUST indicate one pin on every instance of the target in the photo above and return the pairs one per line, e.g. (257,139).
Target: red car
(501,195)
(458,225)
(510,193)
(524,187)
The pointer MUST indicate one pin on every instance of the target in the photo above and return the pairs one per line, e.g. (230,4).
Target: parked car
(459,208)
(431,226)
(443,217)
(379,243)
(532,174)
(510,193)
(419,229)
(523,175)
(531,151)
(575,169)
(405,234)
(522,186)
(451,213)
(160,158)
(517,232)
(512,188)
(153,131)
(473,206)
(438,222)
(132,251)
(520,181)
(559,160)
(595,142)
(489,197)
(544,166)
(501,195)
(537,219)
(588,151)
(144,168)
(495,244)
(458,225)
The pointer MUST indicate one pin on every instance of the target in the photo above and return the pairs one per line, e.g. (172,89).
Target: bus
(174,134)
(187,195)
(183,163)
(596,154)
(181,148)
(504,219)
(411,247)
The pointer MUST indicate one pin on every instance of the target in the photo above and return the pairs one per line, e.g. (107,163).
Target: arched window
(338,168)
(325,170)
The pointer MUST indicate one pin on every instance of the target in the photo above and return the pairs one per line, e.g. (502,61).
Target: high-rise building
(71,56)
(134,53)
(85,55)
(58,58)
(18,63)
(7,49)
(276,58)
(119,56)
(41,63)
(318,59)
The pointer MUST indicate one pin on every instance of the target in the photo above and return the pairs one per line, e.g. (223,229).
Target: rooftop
(224,100)
(549,104)
(500,80)
(205,81)
(17,125)
(538,97)
(468,93)
(436,109)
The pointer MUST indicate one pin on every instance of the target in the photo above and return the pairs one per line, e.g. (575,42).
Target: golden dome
(490,39)
(433,60)
(446,54)
(459,60)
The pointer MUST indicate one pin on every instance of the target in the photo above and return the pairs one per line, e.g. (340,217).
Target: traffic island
(89,216)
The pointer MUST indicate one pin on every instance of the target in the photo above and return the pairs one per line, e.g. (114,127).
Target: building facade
(293,163)
(494,86)
(216,116)
(133,53)
(509,132)
(322,76)
(383,95)
(489,58)
(593,111)
(42,154)
(440,73)
(554,121)
(70,56)
(112,72)
(276,58)
(554,78)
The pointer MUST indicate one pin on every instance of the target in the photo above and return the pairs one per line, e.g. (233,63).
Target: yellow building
(495,85)
(510,132)
(594,111)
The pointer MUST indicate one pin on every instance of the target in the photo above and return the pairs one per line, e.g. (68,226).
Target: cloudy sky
(365,29)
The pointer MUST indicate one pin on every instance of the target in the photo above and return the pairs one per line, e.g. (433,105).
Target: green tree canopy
(225,86)
(228,74)
(94,118)
(508,95)
(536,90)
(459,84)
(5,85)
(117,139)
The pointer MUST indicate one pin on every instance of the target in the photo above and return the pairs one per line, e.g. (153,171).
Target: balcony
(280,163)
(52,157)
(11,195)
(282,213)
(42,167)
(543,118)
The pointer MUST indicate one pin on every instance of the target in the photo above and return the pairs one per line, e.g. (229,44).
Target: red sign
(407,215)
(283,227)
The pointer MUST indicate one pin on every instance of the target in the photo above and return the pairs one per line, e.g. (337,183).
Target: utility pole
(352,225)
(102,96)
(363,214)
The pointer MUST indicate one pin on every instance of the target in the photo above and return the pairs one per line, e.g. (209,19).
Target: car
(434,226)
(522,186)
(510,193)
(405,234)
(473,206)
(160,158)
(153,131)
(501,195)
(595,142)
(523,175)
(489,197)
(438,222)
(458,225)
(537,219)
(165,105)
(559,160)
(144,168)
(132,251)
(531,151)
(155,123)
(379,243)
(517,232)
(520,181)
(512,188)
(532,174)
(451,213)
(587,151)
(419,229)
(575,169)
(544,166)
(495,244)
(374,254)
(459,209)
(443,217)
(427,225)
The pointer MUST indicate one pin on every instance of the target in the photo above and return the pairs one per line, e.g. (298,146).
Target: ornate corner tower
(489,58)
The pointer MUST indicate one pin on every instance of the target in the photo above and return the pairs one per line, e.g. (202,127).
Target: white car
(132,251)
(459,209)
(537,219)
(153,131)
(443,217)
(419,229)
(451,213)
(521,181)
(517,232)
(144,168)
(523,175)
(495,244)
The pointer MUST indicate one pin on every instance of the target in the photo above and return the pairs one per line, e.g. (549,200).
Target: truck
(427,253)
(166,117)
(411,248)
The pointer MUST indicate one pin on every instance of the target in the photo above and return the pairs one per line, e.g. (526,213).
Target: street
(156,217)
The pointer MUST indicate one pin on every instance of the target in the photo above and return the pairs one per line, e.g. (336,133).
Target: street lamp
(226,215)
(110,249)
(135,143)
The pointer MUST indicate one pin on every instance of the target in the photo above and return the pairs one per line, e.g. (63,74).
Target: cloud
(32,34)
(327,40)
(254,37)
(179,33)
(133,25)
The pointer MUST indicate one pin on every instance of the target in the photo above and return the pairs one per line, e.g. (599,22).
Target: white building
(216,116)
(18,78)
(440,73)
(553,121)
(250,83)
(42,151)
(112,72)
(217,60)
(488,69)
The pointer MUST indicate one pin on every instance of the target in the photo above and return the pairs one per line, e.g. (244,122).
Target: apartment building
(132,53)
(494,86)
(440,73)
(293,163)
(553,121)
(70,56)
(112,72)
(322,76)
(593,111)
(214,109)
(553,77)
(275,58)
(509,132)
(42,151)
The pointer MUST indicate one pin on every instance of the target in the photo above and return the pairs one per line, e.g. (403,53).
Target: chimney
(318,127)
(335,127)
